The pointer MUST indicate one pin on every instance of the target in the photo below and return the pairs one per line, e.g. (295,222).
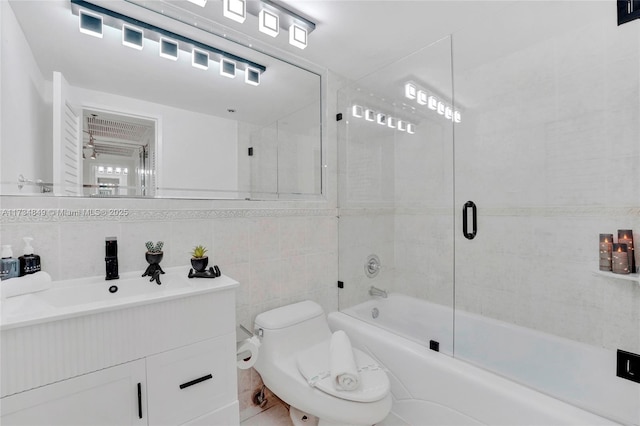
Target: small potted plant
(199,260)
(154,256)
(154,252)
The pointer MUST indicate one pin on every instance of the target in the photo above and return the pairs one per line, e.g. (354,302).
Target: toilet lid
(313,364)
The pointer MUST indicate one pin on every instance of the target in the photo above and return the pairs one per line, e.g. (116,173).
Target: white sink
(89,295)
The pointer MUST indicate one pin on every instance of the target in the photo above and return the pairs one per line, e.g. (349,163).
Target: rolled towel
(27,284)
(344,371)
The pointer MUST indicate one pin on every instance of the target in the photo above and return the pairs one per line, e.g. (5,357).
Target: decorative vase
(154,269)
(153,258)
(200,264)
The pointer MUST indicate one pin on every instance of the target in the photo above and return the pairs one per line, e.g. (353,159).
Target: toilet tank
(291,328)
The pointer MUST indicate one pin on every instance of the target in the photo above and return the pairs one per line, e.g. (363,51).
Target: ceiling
(353,38)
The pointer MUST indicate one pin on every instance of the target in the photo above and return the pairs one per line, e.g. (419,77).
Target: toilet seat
(313,365)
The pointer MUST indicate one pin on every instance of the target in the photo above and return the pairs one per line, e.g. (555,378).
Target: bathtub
(434,388)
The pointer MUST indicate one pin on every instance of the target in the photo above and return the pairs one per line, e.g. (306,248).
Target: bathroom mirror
(214,136)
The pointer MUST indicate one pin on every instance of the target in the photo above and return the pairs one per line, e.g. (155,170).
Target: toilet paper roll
(247,352)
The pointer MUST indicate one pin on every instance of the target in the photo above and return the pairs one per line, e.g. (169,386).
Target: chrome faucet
(374,291)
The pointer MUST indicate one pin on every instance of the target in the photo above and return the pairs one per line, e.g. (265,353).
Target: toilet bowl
(294,364)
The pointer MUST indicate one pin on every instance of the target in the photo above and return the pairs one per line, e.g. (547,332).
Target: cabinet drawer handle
(139,400)
(196,381)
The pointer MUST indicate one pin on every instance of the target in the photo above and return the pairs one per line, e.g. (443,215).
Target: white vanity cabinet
(171,361)
(107,397)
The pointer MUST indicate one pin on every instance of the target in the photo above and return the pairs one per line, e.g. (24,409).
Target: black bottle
(111,258)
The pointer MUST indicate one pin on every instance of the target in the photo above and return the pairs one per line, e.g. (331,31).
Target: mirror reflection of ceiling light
(410,91)
(227,68)
(168,49)
(90,24)
(200,59)
(369,115)
(252,76)
(422,97)
(235,10)
(132,37)
(382,118)
(92,18)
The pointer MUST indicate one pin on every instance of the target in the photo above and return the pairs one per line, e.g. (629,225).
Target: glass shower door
(395,152)
(548,150)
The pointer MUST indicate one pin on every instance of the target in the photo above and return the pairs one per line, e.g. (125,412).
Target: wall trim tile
(65,215)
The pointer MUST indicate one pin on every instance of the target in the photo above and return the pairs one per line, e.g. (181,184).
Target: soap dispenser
(9,267)
(29,262)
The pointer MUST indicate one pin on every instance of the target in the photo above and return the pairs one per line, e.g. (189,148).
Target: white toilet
(294,364)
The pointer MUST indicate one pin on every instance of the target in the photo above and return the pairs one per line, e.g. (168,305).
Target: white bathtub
(433,388)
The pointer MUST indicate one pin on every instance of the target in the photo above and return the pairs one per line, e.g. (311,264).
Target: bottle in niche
(9,266)
(29,262)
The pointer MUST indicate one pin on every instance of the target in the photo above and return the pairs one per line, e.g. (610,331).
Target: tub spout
(374,291)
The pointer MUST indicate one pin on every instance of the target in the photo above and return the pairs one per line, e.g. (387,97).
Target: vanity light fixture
(381,118)
(200,59)
(227,68)
(457,117)
(411,128)
(200,3)
(357,111)
(90,24)
(235,10)
(297,36)
(132,37)
(168,49)
(402,125)
(440,109)
(94,155)
(392,122)
(252,76)
(272,15)
(92,17)
(269,23)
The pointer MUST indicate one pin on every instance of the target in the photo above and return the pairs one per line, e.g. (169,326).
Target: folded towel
(344,372)
(27,284)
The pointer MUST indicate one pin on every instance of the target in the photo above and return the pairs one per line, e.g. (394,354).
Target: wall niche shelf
(628,277)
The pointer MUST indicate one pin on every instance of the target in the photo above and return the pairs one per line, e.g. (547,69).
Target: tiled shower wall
(279,255)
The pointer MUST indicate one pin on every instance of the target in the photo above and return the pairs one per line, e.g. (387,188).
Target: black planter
(200,264)
(153,258)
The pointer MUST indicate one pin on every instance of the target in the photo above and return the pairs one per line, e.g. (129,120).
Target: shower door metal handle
(474,215)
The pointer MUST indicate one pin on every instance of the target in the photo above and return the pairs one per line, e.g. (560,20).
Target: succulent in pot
(154,252)
(154,257)
(199,259)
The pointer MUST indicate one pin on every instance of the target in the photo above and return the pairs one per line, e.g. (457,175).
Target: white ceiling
(353,38)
